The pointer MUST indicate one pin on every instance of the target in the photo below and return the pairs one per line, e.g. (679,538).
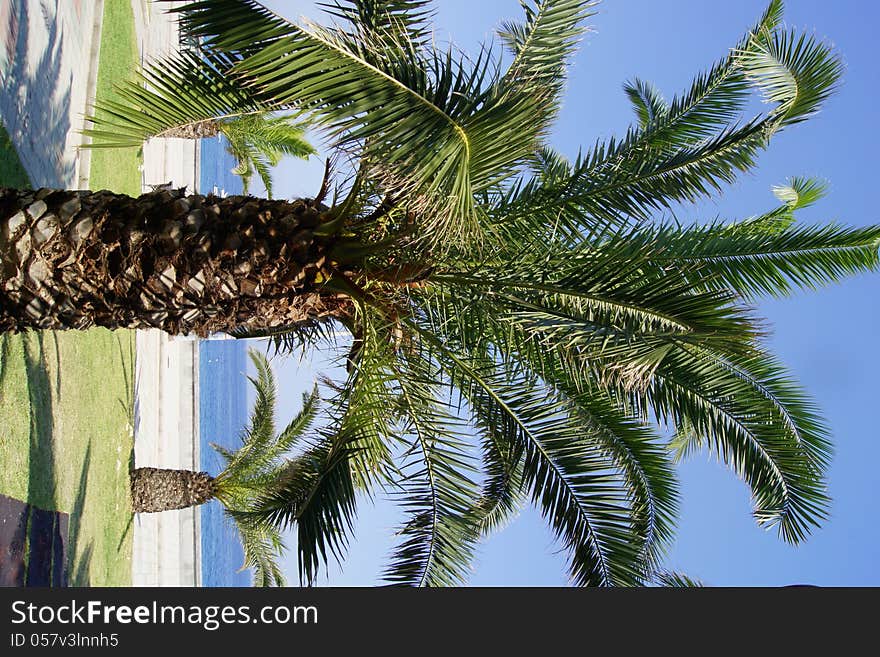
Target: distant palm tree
(494,292)
(256,136)
(256,141)
(258,466)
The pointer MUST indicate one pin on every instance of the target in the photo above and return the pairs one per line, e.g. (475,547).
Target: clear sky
(829,338)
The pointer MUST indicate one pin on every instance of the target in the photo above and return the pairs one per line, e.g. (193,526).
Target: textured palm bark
(158,489)
(207,128)
(182,264)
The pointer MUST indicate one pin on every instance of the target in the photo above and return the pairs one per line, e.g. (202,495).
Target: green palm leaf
(173,92)
(773,262)
(394,21)
(316,495)
(694,148)
(436,490)
(795,72)
(677,580)
(569,480)
(647,102)
(257,467)
(258,142)
(754,419)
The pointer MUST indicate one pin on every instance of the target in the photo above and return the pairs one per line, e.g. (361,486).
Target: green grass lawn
(116,168)
(12,173)
(66,398)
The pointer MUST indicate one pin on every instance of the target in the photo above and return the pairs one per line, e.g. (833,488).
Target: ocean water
(223,402)
(216,166)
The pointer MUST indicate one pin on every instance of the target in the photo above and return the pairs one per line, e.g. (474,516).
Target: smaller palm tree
(257,141)
(259,132)
(258,466)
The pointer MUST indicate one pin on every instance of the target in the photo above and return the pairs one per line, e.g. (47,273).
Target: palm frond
(541,48)
(367,404)
(753,418)
(260,431)
(316,495)
(610,289)
(395,21)
(262,547)
(172,92)
(262,451)
(436,489)
(632,446)
(570,481)
(233,27)
(647,101)
(312,333)
(801,192)
(761,262)
(258,142)
(713,101)
(677,580)
(796,73)
(698,145)
(629,445)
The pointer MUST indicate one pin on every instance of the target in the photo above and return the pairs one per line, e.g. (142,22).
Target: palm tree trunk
(158,489)
(182,264)
(208,128)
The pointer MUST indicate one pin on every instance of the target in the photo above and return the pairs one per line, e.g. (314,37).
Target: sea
(223,401)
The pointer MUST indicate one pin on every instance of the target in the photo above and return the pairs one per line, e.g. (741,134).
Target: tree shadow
(4,355)
(128,402)
(47,527)
(35,99)
(128,406)
(42,483)
(80,564)
(57,346)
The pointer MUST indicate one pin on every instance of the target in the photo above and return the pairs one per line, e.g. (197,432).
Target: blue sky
(828,338)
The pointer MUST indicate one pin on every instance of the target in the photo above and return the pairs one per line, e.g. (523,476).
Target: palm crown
(258,142)
(258,465)
(505,298)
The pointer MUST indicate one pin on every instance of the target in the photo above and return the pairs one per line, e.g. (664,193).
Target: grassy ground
(116,168)
(12,174)
(66,397)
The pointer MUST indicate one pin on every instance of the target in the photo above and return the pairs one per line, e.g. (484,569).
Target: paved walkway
(48,67)
(165,160)
(167,546)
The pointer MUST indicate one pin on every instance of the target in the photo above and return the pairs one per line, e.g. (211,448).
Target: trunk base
(157,489)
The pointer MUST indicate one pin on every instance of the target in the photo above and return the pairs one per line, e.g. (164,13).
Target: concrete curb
(84,155)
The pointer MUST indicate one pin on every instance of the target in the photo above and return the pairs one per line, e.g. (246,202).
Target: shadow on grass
(4,356)
(128,406)
(80,564)
(47,533)
(12,173)
(127,403)
(41,469)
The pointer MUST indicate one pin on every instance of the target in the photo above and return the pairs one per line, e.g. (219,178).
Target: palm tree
(259,465)
(256,137)
(499,298)
(258,142)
